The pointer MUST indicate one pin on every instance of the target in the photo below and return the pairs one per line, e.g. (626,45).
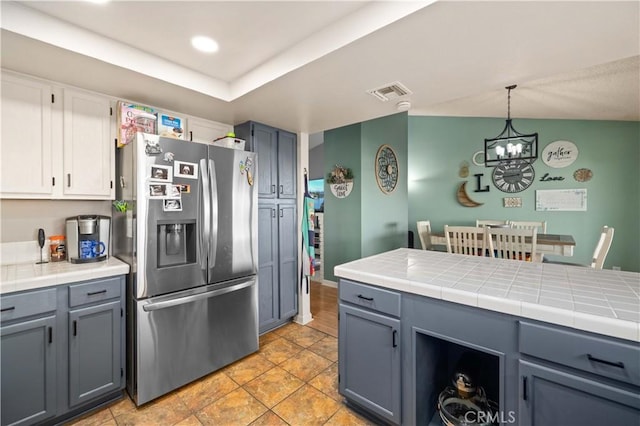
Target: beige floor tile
(280,350)
(125,405)
(327,347)
(206,390)
(98,418)
(307,406)
(273,386)
(305,365)
(234,409)
(189,421)
(327,382)
(269,419)
(267,338)
(304,336)
(346,417)
(248,368)
(166,410)
(287,328)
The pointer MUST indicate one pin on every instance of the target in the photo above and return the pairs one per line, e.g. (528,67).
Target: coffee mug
(91,248)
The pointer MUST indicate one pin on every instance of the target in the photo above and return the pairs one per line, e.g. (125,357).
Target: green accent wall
(438,145)
(430,152)
(368,221)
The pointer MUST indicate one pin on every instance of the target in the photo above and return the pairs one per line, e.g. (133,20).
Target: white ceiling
(305,66)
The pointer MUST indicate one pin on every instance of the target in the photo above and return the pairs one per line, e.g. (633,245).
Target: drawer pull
(93,293)
(604,361)
(11,308)
(75,328)
(50,335)
(394,334)
(365,298)
(524,388)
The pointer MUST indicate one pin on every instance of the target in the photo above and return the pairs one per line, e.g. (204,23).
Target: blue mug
(91,248)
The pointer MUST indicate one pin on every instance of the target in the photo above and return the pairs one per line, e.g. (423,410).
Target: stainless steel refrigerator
(189,232)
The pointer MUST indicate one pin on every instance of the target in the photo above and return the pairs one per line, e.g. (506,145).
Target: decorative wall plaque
(559,154)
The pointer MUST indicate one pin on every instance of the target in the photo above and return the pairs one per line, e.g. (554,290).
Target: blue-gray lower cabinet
(62,350)
(94,351)
(535,373)
(277,264)
(553,396)
(29,371)
(370,363)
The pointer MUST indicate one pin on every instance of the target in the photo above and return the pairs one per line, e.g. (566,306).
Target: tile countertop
(29,276)
(600,301)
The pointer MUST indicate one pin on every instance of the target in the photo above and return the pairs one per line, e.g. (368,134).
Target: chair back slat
(465,240)
(514,244)
(602,248)
(424,232)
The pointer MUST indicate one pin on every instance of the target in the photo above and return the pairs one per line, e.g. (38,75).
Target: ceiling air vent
(390,91)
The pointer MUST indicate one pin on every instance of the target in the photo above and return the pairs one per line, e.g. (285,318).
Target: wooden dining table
(555,244)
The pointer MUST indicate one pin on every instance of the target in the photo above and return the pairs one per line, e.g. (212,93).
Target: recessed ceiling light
(204,44)
(98,1)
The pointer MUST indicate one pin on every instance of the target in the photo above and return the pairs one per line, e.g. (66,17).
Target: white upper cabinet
(205,131)
(26,165)
(56,142)
(88,148)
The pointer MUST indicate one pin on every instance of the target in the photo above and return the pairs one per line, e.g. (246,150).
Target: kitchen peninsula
(554,344)
(63,338)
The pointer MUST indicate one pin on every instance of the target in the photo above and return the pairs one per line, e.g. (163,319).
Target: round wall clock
(515,176)
(386,169)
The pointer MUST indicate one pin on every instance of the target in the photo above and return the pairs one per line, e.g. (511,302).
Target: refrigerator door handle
(204,213)
(188,299)
(213,236)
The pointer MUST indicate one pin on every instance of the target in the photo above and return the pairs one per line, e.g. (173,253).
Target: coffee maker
(88,238)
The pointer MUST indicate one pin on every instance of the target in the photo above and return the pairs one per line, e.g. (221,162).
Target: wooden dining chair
(602,248)
(541,226)
(465,240)
(488,222)
(515,244)
(599,253)
(424,232)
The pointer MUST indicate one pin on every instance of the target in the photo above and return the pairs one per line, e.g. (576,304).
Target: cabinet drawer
(14,306)
(597,355)
(370,297)
(94,291)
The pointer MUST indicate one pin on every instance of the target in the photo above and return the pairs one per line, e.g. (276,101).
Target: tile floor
(291,380)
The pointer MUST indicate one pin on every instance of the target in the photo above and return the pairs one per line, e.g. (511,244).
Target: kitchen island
(555,344)
(63,339)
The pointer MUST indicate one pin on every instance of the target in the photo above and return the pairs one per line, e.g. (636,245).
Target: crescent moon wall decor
(463,198)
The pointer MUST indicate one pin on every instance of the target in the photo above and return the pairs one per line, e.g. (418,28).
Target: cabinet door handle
(273,189)
(618,364)
(93,293)
(50,334)
(75,328)
(69,180)
(524,388)
(281,212)
(281,189)
(10,308)
(365,298)
(394,334)
(191,135)
(273,212)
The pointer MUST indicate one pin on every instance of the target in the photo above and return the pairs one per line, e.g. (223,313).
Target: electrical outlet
(616,268)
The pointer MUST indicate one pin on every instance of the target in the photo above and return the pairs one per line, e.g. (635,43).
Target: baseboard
(329,283)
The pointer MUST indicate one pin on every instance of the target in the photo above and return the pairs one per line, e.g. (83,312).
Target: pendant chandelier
(510,145)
